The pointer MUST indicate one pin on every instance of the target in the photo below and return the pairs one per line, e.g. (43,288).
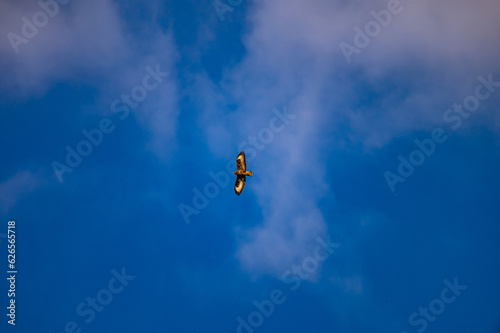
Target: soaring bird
(241,173)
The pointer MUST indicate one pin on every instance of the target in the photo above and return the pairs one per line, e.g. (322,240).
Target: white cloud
(83,38)
(415,67)
(91,44)
(430,53)
(291,168)
(16,188)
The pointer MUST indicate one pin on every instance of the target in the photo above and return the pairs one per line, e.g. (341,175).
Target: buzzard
(241,173)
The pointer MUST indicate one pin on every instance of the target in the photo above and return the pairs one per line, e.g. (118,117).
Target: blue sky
(371,127)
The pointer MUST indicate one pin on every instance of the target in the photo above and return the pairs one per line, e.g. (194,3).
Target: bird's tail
(249,173)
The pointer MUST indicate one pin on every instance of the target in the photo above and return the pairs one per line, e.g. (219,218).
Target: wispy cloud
(83,39)
(91,45)
(287,190)
(295,40)
(17,187)
(293,58)
(291,169)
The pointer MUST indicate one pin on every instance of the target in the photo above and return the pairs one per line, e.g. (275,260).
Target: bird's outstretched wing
(239,184)
(241,163)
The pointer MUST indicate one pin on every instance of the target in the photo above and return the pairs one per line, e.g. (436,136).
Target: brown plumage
(241,173)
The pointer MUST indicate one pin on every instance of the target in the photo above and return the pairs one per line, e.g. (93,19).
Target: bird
(241,173)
